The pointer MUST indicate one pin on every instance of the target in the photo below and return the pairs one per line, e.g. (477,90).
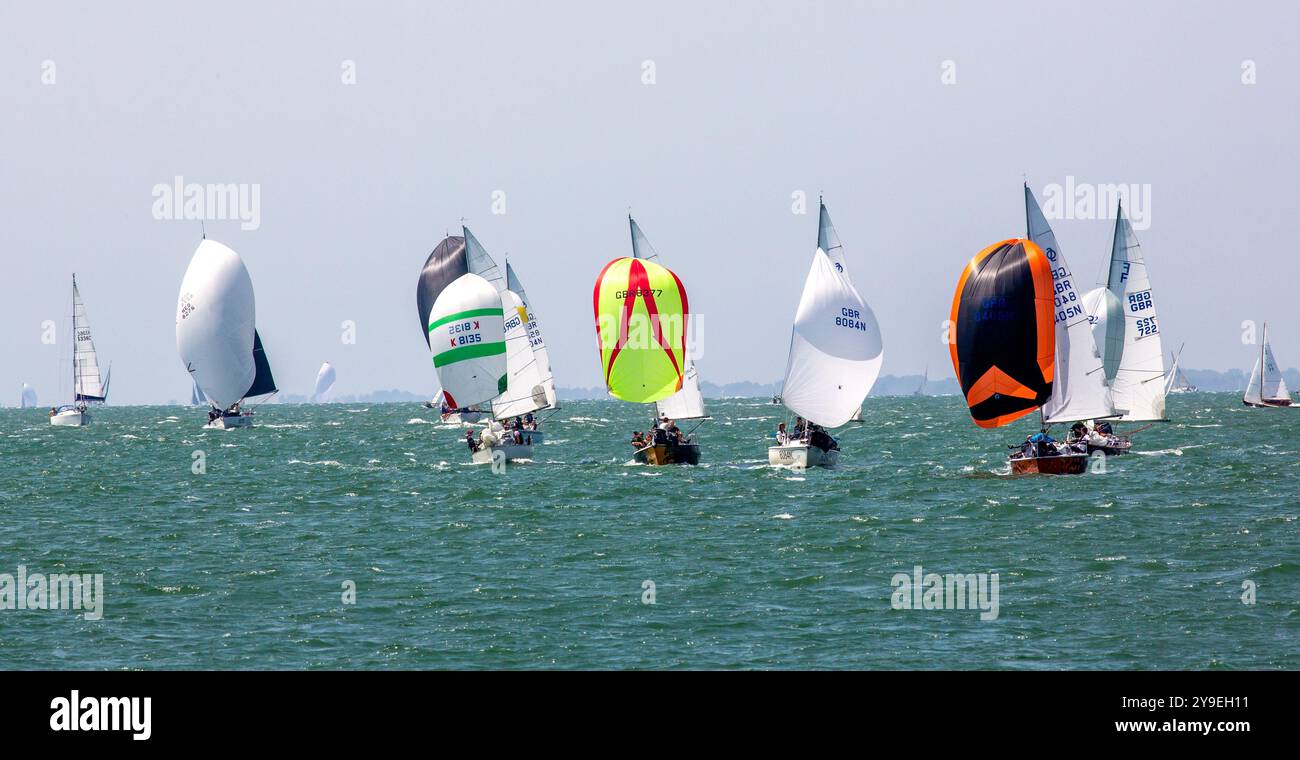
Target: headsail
(263,382)
(215,317)
(1138,388)
(525,391)
(1079,390)
(196,395)
(87,383)
(829,241)
(324,382)
(835,348)
(444,266)
(540,354)
(1266,382)
(641,316)
(466,331)
(1002,338)
(481,263)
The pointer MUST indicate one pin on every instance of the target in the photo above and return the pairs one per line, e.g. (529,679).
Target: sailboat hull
(466,417)
(801,456)
(1270,403)
(70,418)
(661,453)
(243,420)
(1064,464)
(512,451)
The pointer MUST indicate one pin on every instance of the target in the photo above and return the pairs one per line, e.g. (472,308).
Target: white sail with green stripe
(467,336)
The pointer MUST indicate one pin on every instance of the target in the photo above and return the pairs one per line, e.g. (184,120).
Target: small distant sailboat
(88,386)
(1003,346)
(1266,388)
(196,395)
(217,337)
(1178,382)
(28,398)
(925,378)
(642,314)
(325,377)
(835,356)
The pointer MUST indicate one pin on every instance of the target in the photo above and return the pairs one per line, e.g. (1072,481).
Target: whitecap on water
(783,516)
(418,421)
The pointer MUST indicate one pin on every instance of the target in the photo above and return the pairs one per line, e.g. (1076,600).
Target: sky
(369,130)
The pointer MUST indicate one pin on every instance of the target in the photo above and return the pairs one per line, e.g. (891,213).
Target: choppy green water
(454,566)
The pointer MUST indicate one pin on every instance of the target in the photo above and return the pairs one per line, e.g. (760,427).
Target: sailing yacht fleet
(1023,338)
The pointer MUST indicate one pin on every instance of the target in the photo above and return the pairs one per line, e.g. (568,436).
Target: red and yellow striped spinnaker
(641,314)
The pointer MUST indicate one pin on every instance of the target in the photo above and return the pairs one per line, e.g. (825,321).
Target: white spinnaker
(1107,328)
(88,385)
(1079,390)
(1138,390)
(28,397)
(835,348)
(687,403)
(525,389)
(215,317)
(535,339)
(467,335)
(324,382)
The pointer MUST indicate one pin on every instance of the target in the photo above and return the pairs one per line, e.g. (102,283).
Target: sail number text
(643,292)
(850,318)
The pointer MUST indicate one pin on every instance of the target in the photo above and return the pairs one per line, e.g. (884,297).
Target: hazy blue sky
(546,102)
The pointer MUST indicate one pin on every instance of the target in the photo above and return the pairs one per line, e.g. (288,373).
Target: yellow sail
(641,315)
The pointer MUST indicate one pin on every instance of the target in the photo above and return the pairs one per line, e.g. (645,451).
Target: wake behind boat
(834,358)
(88,387)
(217,337)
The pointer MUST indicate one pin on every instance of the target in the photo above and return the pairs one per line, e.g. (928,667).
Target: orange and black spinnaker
(1002,336)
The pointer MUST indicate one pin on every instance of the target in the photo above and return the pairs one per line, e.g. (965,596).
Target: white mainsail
(467,335)
(87,383)
(687,403)
(535,340)
(835,348)
(324,382)
(481,262)
(1079,390)
(1138,387)
(215,324)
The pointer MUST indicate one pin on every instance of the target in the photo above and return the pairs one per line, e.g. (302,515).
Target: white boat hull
(801,456)
(228,423)
(70,418)
(469,418)
(512,452)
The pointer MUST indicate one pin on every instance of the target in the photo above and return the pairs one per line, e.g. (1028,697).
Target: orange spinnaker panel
(1001,334)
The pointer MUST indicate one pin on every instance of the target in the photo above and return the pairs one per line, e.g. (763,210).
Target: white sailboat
(1267,387)
(1178,382)
(1126,328)
(530,387)
(686,404)
(834,360)
(325,377)
(88,386)
(925,379)
(28,398)
(216,335)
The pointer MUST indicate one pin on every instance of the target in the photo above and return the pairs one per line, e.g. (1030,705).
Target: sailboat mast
(74,337)
(1263,365)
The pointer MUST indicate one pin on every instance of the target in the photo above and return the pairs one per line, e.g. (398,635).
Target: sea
(360,536)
